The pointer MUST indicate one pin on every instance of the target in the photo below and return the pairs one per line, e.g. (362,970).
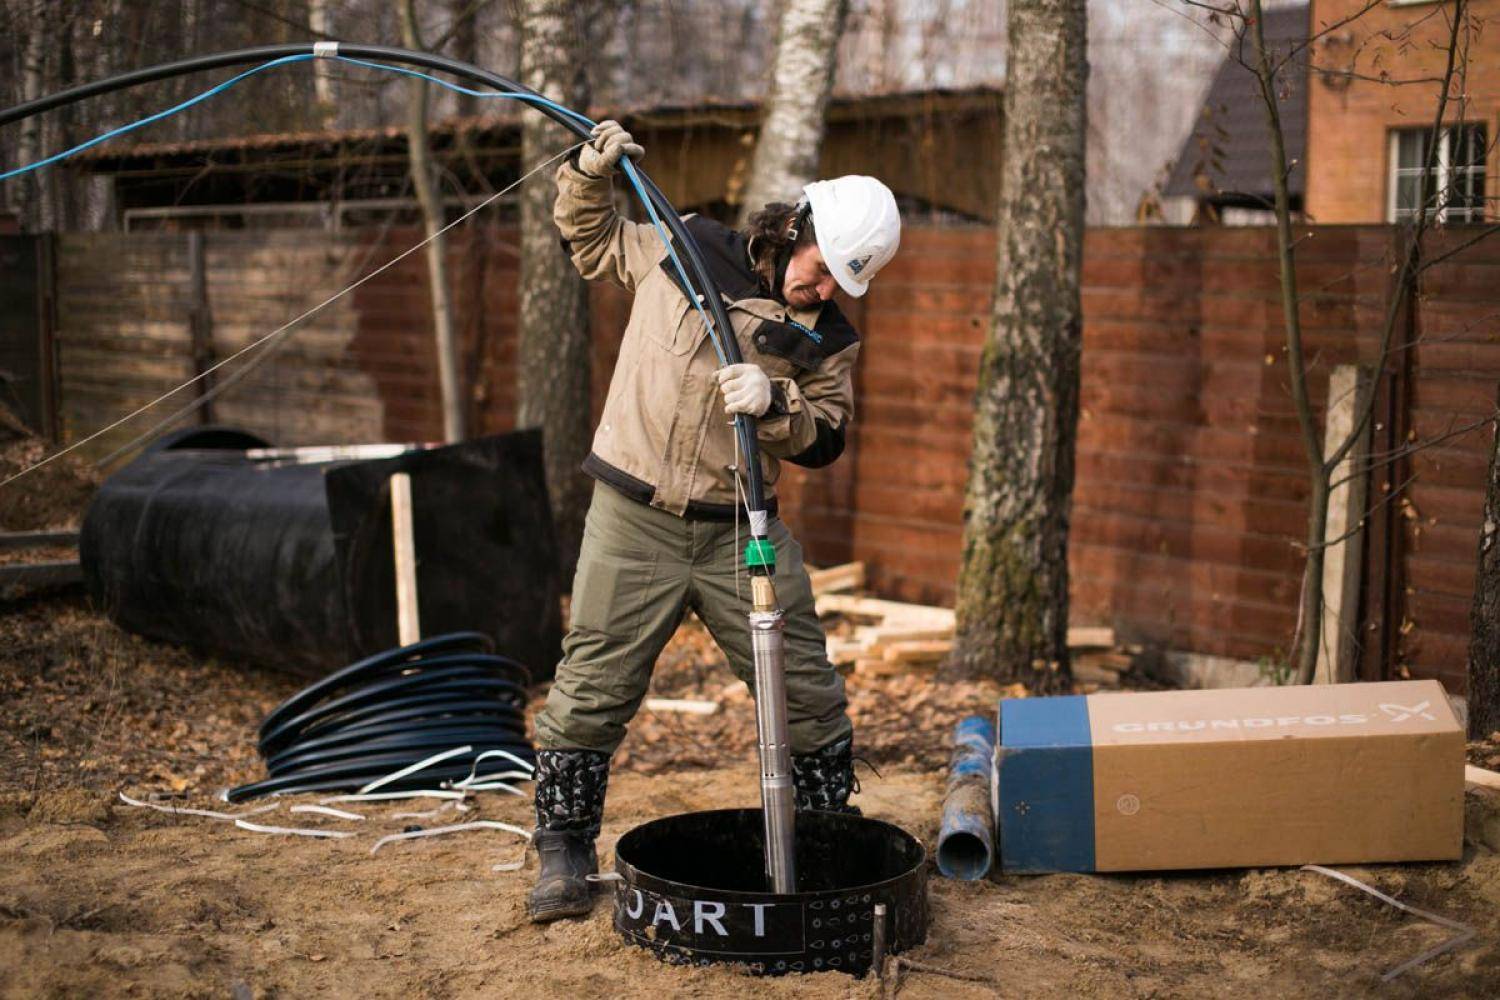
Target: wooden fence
(1191,484)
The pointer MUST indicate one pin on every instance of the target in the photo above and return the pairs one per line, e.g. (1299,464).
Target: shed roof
(841,107)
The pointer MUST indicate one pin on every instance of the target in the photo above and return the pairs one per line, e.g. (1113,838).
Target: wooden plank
(849,576)
(876,637)
(845,650)
(874,607)
(917,651)
(19,578)
(1478,777)
(12,540)
(1091,637)
(1115,663)
(682,706)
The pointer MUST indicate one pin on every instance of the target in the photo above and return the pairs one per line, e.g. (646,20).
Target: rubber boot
(570,787)
(824,779)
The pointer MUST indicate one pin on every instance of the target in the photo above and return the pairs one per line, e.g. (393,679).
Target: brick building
(1366,137)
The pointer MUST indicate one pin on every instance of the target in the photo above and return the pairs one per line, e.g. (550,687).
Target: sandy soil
(97,898)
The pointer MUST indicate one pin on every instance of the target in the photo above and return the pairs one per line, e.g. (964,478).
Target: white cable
(494,753)
(478,824)
(1464,935)
(471,782)
(428,814)
(184,811)
(295,831)
(389,796)
(325,811)
(436,758)
(497,786)
(279,330)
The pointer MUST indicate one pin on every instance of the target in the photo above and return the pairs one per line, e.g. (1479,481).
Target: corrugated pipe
(966,840)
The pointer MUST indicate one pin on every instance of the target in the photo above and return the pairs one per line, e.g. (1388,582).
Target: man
(660,537)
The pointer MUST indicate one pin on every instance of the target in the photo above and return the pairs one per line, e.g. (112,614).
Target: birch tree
(552,390)
(791,131)
(1013,577)
(321,25)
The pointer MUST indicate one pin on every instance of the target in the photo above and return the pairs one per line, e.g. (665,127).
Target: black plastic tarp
(292,565)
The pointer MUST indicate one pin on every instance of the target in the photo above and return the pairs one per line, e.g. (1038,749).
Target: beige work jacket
(663,437)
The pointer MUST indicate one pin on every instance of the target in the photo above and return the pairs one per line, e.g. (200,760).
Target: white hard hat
(858,228)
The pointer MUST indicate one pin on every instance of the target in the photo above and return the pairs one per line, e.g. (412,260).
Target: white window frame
(1442,168)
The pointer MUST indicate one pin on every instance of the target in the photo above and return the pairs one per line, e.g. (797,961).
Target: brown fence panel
(1191,480)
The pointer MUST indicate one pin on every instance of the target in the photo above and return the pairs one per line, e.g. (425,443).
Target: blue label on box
(1046,785)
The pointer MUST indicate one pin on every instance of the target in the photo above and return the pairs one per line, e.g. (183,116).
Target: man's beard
(803,297)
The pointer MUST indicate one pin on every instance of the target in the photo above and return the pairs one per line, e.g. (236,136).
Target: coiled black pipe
(391,710)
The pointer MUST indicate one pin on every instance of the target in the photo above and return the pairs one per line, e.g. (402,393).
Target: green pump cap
(760,554)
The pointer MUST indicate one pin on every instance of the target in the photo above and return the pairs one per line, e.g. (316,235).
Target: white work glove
(601,157)
(746,389)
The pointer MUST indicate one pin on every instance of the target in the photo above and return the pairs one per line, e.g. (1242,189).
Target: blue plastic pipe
(966,839)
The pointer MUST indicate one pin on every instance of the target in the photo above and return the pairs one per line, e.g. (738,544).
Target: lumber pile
(887,637)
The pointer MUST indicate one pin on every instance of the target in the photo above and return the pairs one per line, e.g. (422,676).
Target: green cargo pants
(639,571)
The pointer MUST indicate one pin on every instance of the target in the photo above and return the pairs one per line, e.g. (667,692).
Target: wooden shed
(939,150)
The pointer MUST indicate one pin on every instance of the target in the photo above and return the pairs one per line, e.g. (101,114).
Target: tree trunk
(553,383)
(465,15)
(1013,580)
(1484,645)
(35,199)
(321,26)
(430,199)
(791,132)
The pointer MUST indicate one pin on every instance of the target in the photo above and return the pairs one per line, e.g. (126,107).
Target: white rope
(529,768)
(1464,935)
(436,758)
(496,786)
(438,831)
(434,793)
(325,811)
(296,831)
(428,814)
(472,782)
(276,332)
(185,811)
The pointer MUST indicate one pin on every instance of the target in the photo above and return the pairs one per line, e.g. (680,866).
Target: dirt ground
(98,898)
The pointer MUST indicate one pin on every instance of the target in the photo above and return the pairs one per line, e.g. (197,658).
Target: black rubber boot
(570,787)
(824,779)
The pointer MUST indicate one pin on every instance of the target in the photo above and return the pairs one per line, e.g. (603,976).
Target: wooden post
(408,618)
(200,323)
(1385,533)
(1342,559)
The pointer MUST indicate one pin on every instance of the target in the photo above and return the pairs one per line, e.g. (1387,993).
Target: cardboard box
(1243,777)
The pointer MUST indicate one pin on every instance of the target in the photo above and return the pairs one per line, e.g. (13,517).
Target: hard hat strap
(800,216)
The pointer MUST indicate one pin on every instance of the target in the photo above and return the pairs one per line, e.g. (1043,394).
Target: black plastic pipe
(698,275)
(392,710)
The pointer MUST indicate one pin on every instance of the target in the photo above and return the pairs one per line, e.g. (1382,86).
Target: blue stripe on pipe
(1046,785)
